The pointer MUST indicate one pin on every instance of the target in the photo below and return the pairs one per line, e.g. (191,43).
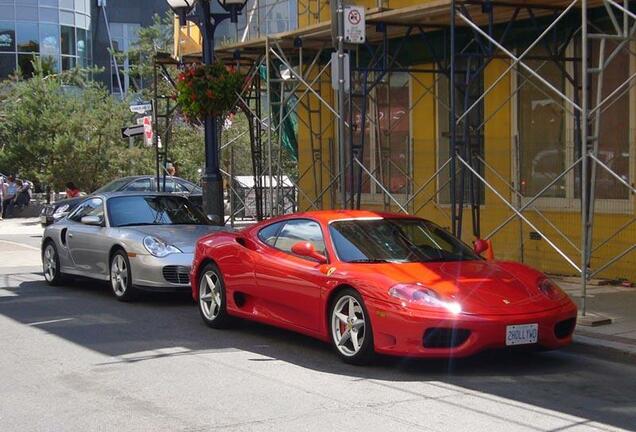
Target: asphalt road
(74,359)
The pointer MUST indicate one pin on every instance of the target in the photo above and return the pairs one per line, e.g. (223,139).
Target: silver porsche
(135,240)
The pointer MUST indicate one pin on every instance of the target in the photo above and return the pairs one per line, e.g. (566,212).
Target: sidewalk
(617,303)
(21,226)
(20,245)
(19,249)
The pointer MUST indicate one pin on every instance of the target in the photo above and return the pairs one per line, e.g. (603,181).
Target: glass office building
(56,30)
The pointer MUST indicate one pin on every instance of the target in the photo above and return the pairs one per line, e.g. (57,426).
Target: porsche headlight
(550,289)
(158,248)
(60,210)
(419,294)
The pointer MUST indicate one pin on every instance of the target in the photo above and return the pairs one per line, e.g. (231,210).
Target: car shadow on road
(160,325)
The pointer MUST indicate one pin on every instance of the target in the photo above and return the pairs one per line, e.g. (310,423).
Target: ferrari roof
(331,215)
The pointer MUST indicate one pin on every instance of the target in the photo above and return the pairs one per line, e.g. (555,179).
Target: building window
(7,36)
(475,120)
(546,148)
(387,138)
(542,127)
(33,28)
(27,36)
(614,131)
(124,36)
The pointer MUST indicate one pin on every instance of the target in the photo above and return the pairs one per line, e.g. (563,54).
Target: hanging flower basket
(208,89)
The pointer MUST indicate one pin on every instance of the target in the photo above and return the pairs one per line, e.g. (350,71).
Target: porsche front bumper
(170,273)
(405,332)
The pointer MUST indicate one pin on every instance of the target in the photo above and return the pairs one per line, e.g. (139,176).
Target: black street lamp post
(207,23)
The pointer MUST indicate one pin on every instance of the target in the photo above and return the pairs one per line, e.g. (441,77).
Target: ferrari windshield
(153,210)
(396,240)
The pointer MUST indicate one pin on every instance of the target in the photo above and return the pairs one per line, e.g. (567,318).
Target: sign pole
(341,105)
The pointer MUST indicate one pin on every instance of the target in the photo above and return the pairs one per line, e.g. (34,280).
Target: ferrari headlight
(158,248)
(550,289)
(61,209)
(419,294)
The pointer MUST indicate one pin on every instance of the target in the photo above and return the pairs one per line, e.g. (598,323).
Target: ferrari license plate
(522,334)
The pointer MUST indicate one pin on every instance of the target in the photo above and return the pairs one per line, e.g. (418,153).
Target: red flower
(193,97)
(209,93)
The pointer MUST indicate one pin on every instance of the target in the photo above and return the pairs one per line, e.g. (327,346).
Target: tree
(61,127)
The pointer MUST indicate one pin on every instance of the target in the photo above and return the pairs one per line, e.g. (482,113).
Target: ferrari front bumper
(401,331)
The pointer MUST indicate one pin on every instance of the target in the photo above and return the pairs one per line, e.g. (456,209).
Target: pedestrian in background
(71,190)
(8,200)
(23,197)
(170,169)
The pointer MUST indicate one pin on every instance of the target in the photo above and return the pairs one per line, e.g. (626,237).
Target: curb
(597,346)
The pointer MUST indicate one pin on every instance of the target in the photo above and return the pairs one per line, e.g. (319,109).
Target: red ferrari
(376,283)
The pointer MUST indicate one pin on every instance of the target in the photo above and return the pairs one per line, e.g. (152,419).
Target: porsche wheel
(51,264)
(121,277)
(350,326)
(212,304)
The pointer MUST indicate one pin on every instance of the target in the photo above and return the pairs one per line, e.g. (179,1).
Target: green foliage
(61,127)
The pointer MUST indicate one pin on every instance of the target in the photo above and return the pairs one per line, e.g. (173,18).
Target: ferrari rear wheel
(351,333)
(212,304)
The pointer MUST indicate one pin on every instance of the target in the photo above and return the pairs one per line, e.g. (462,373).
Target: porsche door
(86,243)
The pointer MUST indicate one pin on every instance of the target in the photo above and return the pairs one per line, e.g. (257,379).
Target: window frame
(376,195)
(126,188)
(570,203)
(82,205)
(438,143)
(283,224)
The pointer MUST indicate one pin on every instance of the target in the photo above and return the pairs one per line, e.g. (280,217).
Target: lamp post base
(213,204)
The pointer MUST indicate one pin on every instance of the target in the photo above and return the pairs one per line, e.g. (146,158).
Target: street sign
(141,108)
(354,24)
(334,71)
(148,133)
(131,131)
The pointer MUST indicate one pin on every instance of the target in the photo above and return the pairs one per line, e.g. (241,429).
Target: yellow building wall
(513,241)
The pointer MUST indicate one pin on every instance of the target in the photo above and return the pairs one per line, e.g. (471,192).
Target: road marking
(50,321)
(21,245)
(7,293)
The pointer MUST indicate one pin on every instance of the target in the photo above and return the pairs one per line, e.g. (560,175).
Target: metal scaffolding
(457,40)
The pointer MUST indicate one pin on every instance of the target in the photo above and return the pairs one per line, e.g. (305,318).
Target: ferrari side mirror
(480,246)
(306,249)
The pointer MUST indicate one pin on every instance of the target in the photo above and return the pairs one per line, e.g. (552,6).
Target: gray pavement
(74,359)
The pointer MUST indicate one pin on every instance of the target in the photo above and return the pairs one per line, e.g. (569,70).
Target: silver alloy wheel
(210,295)
(348,325)
(119,275)
(49,263)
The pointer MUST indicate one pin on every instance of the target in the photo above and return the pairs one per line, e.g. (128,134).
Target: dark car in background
(146,183)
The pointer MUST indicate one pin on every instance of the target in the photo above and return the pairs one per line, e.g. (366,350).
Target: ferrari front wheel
(351,333)
(212,297)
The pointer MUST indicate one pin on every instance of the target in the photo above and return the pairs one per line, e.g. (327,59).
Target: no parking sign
(354,24)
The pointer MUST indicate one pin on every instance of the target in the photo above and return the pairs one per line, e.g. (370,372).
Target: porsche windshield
(396,240)
(153,210)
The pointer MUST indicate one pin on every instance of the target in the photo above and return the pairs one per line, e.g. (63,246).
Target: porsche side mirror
(306,249)
(92,220)
(480,246)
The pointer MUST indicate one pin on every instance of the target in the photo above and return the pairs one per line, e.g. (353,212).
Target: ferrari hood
(183,237)
(480,287)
